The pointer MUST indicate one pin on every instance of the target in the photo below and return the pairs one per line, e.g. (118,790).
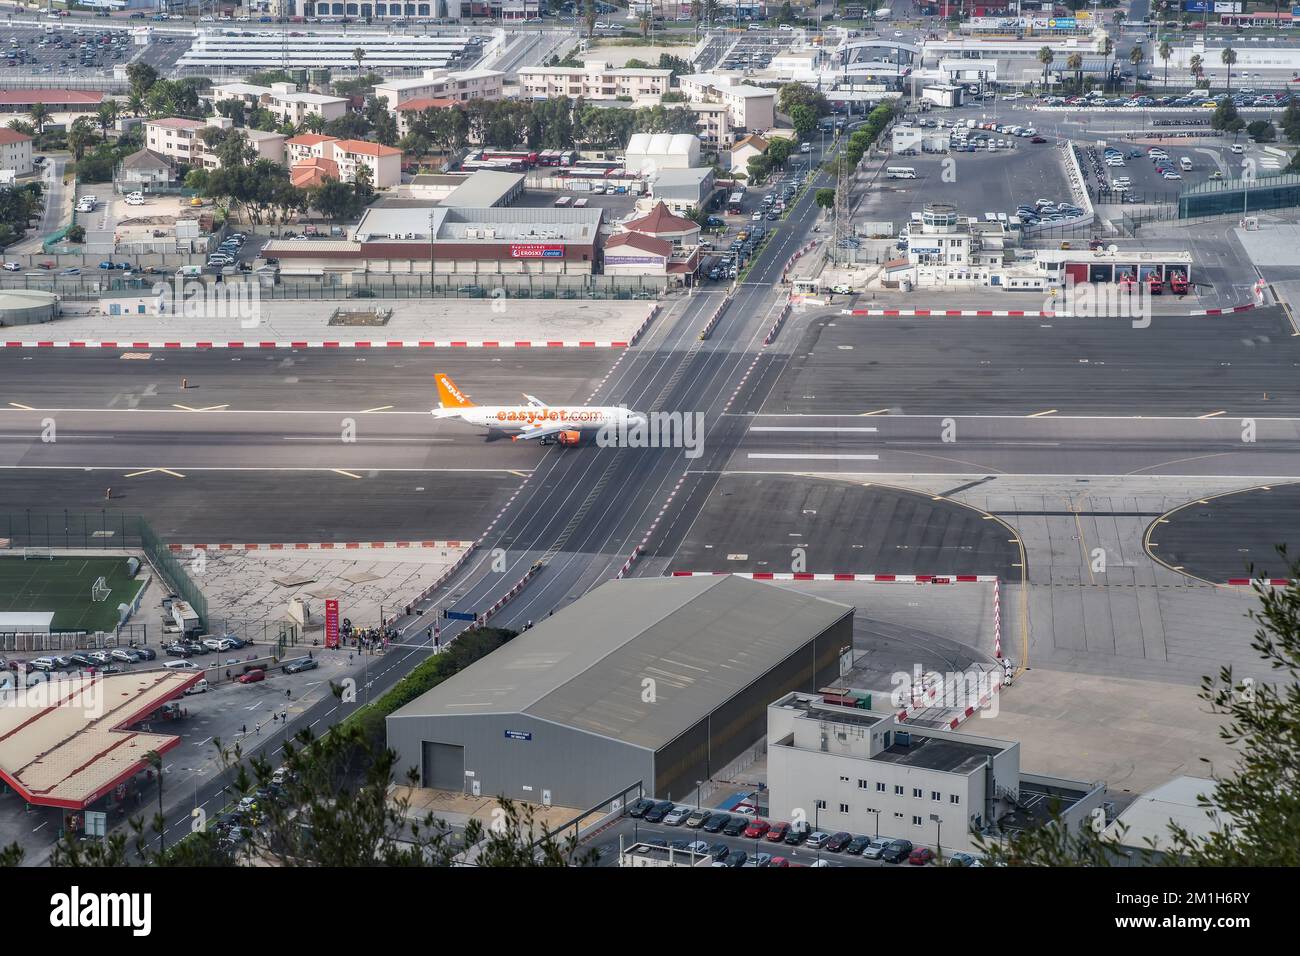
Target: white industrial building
(236,51)
(647,153)
(1142,828)
(865,772)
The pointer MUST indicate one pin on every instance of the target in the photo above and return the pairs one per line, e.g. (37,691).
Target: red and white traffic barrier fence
(955,313)
(446,575)
(1262,582)
(322,546)
(997,618)
(303,344)
(776,326)
(878,578)
(715,318)
(785,270)
(650,317)
(1227,311)
(985,699)
(920,701)
(508,596)
(627,565)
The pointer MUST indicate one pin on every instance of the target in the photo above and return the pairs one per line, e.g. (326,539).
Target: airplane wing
(539,431)
(534,401)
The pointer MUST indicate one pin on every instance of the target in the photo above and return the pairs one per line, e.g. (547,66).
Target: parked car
(818,840)
(81,660)
(757,828)
(696,819)
(799,831)
(13,267)
(839,841)
(252,677)
(897,851)
(298,666)
(735,826)
(657,813)
(125,655)
(100,658)
(146,653)
(875,847)
(638,809)
(964,859)
(181,666)
(777,832)
(676,816)
(719,852)
(716,823)
(921,856)
(857,845)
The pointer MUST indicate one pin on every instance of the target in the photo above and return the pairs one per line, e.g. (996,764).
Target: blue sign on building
(1196,6)
(519,735)
(460,616)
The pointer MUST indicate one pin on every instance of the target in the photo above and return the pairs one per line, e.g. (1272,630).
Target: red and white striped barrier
(627,565)
(508,596)
(997,618)
(662,511)
(1229,311)
(303,344)
(969,712)
(1262,582)
(785,270)
(879,578)
(776,326)
(446,575)
(322,546)
(715,318)
(739,385)
(650,317)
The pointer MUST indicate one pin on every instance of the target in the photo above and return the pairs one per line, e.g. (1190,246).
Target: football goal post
(44,554)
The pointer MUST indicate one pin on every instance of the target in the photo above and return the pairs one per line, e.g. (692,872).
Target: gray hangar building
(659,680)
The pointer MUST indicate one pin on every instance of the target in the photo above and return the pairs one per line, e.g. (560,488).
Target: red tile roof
(363,147)
(177,122)
(88,98)
(313,172)
(657,247)
(660,219)
(427,103)
(8,136)
(310,139)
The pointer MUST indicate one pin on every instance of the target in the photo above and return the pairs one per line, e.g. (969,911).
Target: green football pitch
(63,585)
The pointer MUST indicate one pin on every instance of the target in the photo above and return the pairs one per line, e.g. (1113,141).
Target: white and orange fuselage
(561,424)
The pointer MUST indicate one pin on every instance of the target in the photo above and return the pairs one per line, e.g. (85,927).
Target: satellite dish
(1112,249)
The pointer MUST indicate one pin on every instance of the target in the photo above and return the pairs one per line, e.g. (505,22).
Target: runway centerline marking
(1212,414)
(377,408)
(808,428)
(208,408)
(798,456)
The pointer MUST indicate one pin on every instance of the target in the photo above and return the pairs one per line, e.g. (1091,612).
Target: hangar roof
(701,640)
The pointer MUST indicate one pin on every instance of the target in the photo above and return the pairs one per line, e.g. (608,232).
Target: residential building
(307,146)
(174,137)
(864,771)
(145,168)
(713,124)
(247,93)
(594,80)
(412,108)
(15,152)
(346,155)
(743,150)
(459,86)
(750,107)
(290,106)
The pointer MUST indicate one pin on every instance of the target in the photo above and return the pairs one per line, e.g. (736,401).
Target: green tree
(1229,58)
(76,234)
(107,116)
(801,94)
(359,54)
(1135,58)
(1075,64)
(804,121)
(141,77)
(1195,65)
(1166,51)
(336,201)
(779,151)
(1261,131)
(81,136)
(1045,57)
(1226,117)
(825,198)
(364,185)
(40,114)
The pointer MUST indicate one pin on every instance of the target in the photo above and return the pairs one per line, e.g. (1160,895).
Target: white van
(1185,164)
(189,272)
(900,172)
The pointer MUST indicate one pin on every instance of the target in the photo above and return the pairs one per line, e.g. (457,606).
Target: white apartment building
(594,80)
(461,86)
(249,94)
(15,152)
(713,124)
(749,107)
(293,107)
(348,155)
(864,772)
(178,139)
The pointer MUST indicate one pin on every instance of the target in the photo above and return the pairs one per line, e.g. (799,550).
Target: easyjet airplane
(563,425)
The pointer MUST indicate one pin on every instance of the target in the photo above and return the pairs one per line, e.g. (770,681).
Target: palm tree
(107,116)
(1075,63)
(1195,65)
(1166,51)
(40,114)
(1045,57)
(645,26)
(135,103)
(154,759)
(1135,57)
(314,122)
(358,54)
(1107,49)
(1229,57)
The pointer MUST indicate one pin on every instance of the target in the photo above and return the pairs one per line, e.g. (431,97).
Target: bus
(562,202)
(736,203)
(900,172)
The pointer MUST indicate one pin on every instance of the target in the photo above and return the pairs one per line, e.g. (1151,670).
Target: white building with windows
(458,85)
(595,80)
(864,772)
(749,107)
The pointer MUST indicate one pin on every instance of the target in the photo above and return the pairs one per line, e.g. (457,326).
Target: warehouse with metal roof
(661,681)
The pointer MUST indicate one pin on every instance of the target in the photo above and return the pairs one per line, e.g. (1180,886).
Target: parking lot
(1127,162)
(68,52)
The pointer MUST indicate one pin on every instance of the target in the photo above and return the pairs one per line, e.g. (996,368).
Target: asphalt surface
(1231,536)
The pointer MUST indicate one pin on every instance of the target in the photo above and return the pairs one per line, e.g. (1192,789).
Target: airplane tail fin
(449,396)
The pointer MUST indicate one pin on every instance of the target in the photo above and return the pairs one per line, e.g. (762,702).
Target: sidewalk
(304,323)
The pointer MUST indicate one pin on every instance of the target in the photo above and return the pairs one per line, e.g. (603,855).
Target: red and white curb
(321,546)
(785,270)
(997,619)
(969,712)
(305,344)
(659,517)
(442,580)
(776,326)
(715,318)
(507,597)
(741,384)
(650,316)
(627,565)
(601,384)
(1230,311)
(879,578)
(1262,582)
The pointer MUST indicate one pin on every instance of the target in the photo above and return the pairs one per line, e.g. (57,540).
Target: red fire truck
(1155,285)
(1126,282)
(1178,283)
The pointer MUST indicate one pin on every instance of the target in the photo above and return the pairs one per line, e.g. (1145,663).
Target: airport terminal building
(664,681)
